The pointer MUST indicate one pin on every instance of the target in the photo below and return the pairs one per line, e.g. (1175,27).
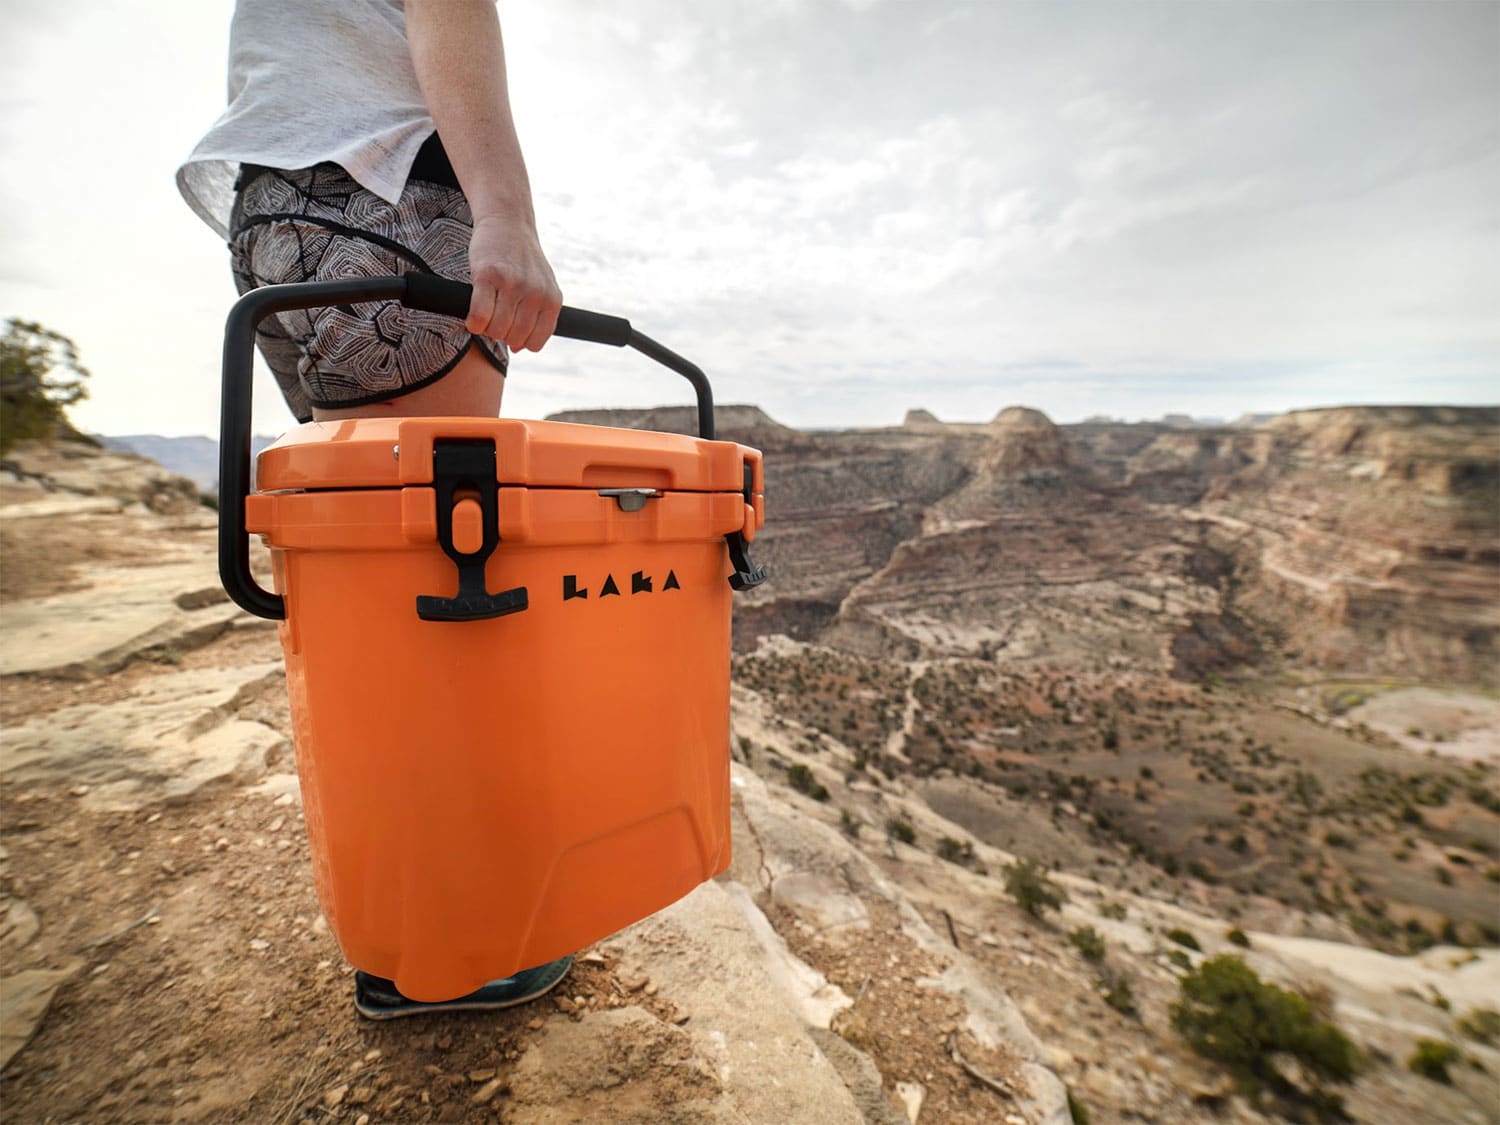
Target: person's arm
(460,63)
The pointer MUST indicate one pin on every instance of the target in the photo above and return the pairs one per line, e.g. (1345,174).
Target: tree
(1227,1014)
(1027,883)
(39,376)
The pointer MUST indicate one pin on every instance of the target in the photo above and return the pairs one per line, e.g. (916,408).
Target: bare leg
(471,390)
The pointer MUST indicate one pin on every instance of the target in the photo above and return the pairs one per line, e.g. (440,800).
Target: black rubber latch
(746,572)
(465,469)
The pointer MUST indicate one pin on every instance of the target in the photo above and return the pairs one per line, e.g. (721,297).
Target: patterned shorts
(318,224)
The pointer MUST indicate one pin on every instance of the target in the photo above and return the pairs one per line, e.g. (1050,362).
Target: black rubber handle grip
(451,298)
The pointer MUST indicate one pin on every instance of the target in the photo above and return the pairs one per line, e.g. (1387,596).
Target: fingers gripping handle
(451,298)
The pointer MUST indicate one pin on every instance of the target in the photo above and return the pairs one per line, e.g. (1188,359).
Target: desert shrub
(1078,1113)
(1087,941)
(1432,1058)
(1180,958)
(901,829)
(961,853)
(1118,994)
(1481,1025)
(802,780)
(1184,938)
(849,824)
(1034,892)
(1238,936)
(1226,1013)
(1113,910)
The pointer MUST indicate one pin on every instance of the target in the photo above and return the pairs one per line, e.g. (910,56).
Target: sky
(846,209)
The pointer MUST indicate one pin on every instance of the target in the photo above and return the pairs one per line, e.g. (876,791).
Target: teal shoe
(376,998)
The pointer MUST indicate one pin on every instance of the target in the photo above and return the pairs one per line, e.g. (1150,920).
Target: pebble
(362,1119)
(481,1075)
(651,989)
(565,1004)
(259,944)
(486,1093)
(372,1055)
(221,844)
(592,958)
(79,791)
(581,1001)
(335,1097)
(361,1094)
(432,1071)
(535,1025)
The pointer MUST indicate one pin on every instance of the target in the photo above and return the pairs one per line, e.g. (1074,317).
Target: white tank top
(312,81)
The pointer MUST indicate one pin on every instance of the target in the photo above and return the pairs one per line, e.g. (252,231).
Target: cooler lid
(397,452)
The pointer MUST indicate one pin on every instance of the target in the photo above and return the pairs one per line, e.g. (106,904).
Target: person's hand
(516,298)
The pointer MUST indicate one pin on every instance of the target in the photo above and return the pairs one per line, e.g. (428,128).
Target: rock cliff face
(1368,540)
(1359,539)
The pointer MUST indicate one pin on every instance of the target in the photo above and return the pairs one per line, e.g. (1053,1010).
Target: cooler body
(484,794)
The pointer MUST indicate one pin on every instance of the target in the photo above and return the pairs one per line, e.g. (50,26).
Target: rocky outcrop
(1368,539)
(1358,538)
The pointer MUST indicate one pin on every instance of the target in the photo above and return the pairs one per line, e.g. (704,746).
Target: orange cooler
(507,653)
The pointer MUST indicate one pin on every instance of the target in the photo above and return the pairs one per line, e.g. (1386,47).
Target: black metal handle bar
(415,290)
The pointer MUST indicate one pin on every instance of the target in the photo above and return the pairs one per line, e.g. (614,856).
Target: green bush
(1078,1113)
(1226,1013)
(1481,1025)
(1118,994)
(901,829)
(1087,941)
(39,376)
(1432,1058)
(1034,892)
(802,780)
(961,853)
(1238,936)
(1184,938)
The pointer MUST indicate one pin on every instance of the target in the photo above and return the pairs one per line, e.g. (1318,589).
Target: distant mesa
(1025,441)
(923,420)
(736,421)
(1021,418)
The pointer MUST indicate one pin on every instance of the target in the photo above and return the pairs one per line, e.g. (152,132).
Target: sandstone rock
(912,1095)
(622,1065)
(24,999)
(171,736)
(18,922)
(820,900)
(703,953)
(124,612)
